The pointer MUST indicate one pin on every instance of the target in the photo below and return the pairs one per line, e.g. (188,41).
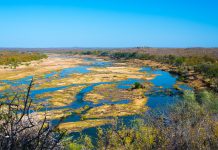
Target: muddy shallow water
(161,92)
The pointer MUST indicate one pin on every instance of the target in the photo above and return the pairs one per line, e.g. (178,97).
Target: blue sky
(108,23)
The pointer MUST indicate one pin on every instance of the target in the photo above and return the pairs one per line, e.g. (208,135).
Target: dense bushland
(14,58)
(204,64)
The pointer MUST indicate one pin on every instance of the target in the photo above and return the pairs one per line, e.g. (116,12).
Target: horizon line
(139,47)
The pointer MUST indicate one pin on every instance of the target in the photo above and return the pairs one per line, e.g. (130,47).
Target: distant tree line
(15,58)
(205,65)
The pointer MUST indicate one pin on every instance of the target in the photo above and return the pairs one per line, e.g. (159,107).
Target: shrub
(14,58)
(137,85)
(21,130)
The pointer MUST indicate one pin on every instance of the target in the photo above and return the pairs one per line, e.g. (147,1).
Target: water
(68,71)
(161,95)
(49,75)
(126,84)
(163,92)
(158,97)
(22,81)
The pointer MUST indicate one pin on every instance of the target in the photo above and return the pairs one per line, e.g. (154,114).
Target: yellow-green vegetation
(94,97)
(136,106)
(106,92)
(108,74)
(85,79)
(52,114)
(216,129)
(80,110)
(62,97)
(112,93)
(14,58)
(4,87)
(120,70)
(80,125)
(39,67)
(145,134)
(131,72)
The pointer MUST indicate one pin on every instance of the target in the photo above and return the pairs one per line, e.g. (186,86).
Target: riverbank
(37,68)
(190,77)
(200,72)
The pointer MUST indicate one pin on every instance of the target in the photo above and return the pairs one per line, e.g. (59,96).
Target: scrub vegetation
(61,97)
(14,58)
(190,124)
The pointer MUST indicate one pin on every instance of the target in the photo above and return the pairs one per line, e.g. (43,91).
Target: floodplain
(91,91)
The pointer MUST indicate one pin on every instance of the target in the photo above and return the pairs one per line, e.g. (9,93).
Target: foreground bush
(190,124)
(21,130)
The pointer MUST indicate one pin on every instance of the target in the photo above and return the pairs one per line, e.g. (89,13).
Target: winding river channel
(162,93)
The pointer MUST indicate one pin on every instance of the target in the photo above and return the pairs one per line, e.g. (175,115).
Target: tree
(19,129)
